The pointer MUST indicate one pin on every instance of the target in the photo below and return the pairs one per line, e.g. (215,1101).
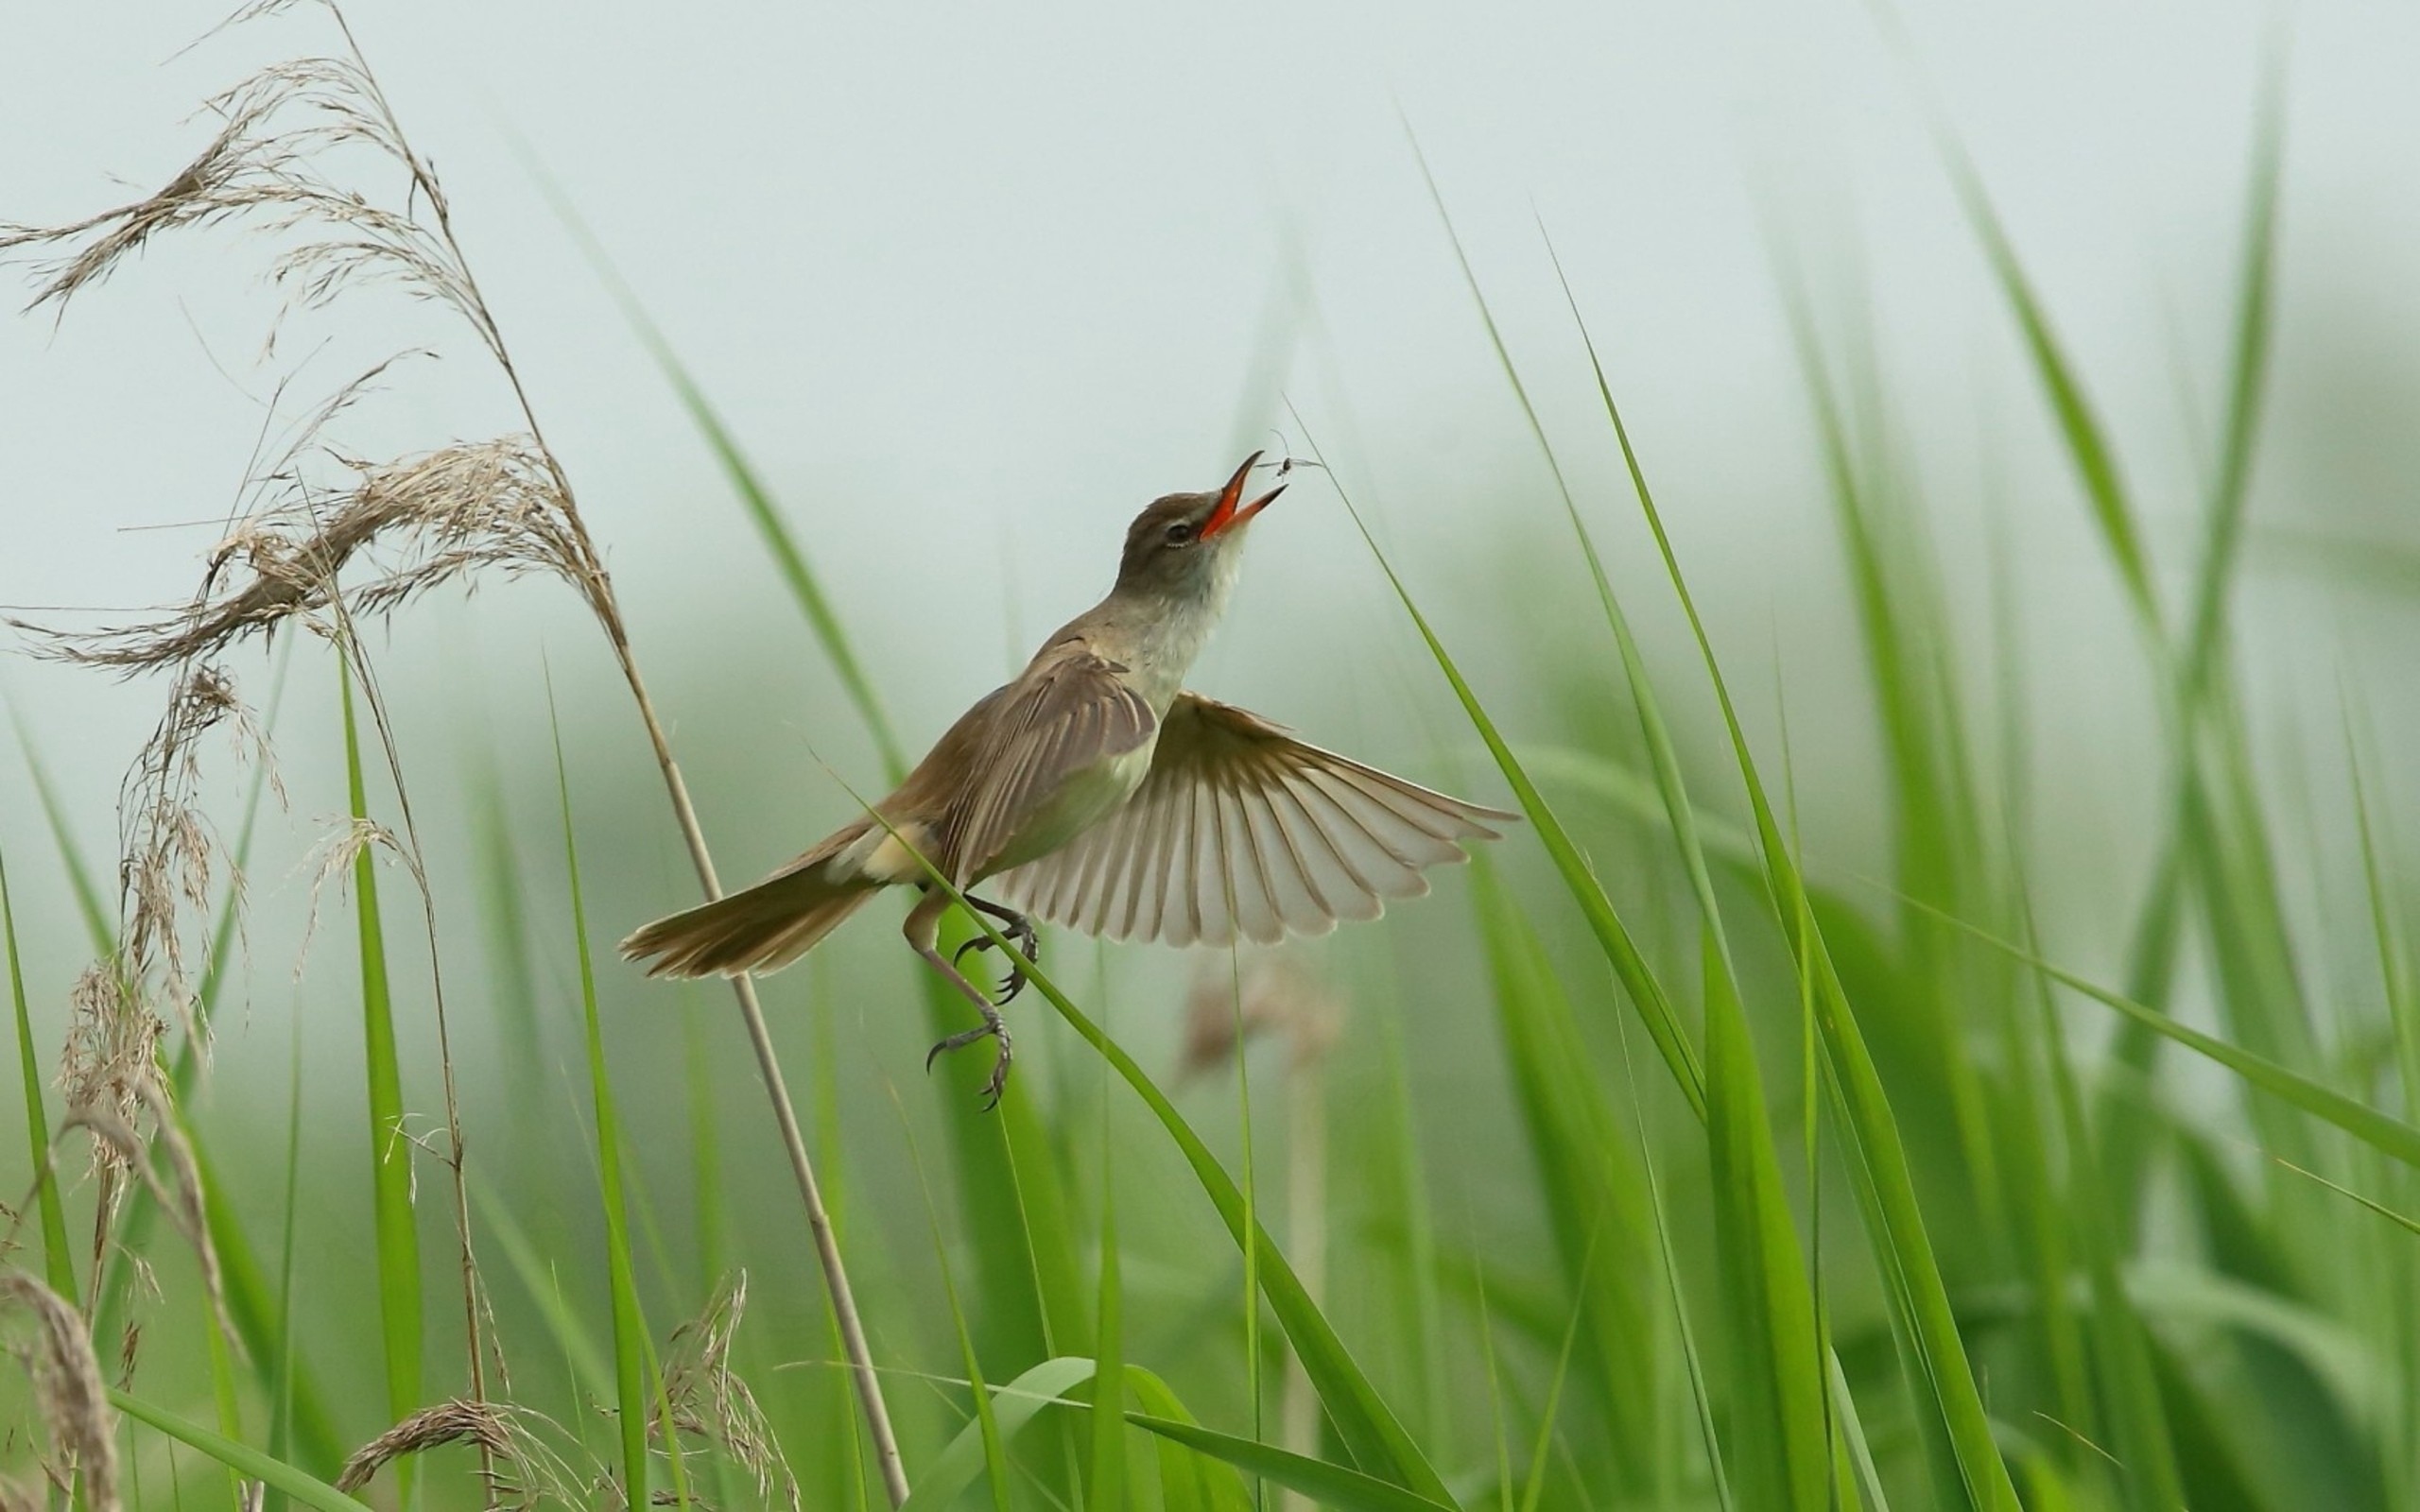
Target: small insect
(1288,461)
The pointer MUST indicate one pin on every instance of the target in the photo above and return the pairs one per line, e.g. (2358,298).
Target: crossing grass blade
(390,1146)
(241,1459)
(631,1396)
(59,1262)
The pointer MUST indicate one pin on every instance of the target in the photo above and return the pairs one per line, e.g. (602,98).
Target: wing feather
(1037,734)
(1240,831)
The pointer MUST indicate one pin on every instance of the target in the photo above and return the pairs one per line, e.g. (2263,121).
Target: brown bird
(1103,797)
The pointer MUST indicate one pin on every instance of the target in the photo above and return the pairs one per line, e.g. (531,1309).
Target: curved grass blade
(1779,1442)
(242,1458)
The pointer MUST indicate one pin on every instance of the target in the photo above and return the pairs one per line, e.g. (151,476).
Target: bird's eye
(1179,534)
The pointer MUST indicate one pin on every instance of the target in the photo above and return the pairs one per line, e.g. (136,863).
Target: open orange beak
(1227,515)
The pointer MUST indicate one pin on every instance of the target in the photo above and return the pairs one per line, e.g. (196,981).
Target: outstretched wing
(1240,830)
(1027,742)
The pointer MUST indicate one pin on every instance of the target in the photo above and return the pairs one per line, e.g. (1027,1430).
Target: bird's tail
(761,928)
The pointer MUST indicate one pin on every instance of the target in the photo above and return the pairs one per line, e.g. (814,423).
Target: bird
(1095,791)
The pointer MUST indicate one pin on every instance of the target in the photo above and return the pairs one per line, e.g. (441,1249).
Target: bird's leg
(1018,930)
(923,930)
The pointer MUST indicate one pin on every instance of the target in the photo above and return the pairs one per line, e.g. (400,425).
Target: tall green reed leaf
(59,1262)
(1780,1447)
(631,1373)
(391,1145)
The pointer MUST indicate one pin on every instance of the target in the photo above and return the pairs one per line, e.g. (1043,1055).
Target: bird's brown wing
(1052,724)
(1242,831)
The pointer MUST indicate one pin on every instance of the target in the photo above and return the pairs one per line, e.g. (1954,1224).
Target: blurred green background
(969,288)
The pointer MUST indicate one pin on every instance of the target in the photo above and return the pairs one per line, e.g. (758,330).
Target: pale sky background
(972,282)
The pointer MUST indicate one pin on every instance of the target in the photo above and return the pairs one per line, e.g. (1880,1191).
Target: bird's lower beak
(1227,515)
(1244,515)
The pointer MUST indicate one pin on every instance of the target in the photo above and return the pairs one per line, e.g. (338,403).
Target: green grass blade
(1108,1484)
(2080,427)
(59,1262)
(280,1380)
(1779,1443)
(390,1147)
(631,1396)
(241,1459)
(2247,376)
(1693,1362)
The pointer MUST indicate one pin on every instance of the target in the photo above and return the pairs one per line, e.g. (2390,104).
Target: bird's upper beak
(1226,516)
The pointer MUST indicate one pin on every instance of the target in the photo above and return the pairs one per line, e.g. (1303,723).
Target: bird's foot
(1019,931)
(992,1027)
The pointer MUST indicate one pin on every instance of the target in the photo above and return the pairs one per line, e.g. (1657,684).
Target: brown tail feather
(761,928)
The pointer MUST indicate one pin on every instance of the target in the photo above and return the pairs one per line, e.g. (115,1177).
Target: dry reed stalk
(506,505)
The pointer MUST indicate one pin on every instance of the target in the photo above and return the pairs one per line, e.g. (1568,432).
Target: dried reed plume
(521,1470)
(180,1194)
(68,1390)
(398,528)
(711,1402)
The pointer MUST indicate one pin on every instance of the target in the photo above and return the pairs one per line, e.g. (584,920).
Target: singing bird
(1095,792)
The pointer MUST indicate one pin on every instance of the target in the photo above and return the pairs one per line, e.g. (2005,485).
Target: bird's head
(1188,544)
